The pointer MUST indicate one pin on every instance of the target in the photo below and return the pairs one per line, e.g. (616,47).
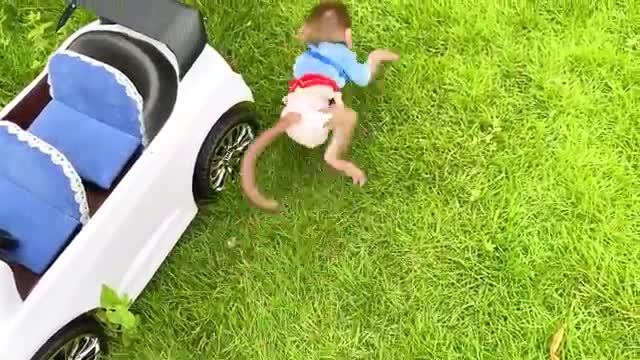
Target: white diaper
(308,102)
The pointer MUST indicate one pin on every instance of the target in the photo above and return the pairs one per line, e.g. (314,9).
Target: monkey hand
(383,55)
(377,57)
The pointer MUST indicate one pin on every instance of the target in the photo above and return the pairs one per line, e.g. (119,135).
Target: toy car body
(195,122)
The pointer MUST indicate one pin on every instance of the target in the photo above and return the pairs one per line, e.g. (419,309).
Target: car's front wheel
(82,339)
(221,153)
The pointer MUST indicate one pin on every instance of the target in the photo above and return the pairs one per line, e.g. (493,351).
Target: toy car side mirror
(66,15)
(7,241)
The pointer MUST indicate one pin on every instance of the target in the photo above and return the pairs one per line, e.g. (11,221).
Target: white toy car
(104,157)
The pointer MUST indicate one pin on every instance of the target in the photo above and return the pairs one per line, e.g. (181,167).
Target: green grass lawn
(503,196)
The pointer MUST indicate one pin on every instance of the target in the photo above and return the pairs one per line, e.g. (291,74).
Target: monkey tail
(248,167)
(248,175)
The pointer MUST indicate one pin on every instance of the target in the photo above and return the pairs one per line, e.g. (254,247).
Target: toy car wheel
(81,340)
(220,155)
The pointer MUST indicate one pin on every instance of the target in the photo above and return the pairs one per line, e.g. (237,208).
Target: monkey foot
(357,176)
(271,205)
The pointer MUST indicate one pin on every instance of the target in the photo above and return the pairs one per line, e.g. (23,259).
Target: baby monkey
(314,106)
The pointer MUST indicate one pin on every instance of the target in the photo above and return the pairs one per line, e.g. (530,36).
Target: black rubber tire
(82,326)
(202,189)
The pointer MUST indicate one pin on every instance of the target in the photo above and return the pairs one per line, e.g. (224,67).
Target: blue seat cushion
(97,90)
(98,151)
(42,231)
(40,169)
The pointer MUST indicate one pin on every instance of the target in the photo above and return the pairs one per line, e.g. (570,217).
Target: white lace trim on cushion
(75,182)
(122,79)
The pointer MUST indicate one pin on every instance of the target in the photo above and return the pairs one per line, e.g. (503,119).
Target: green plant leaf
(113,317)
(127,340)
(108,297)
(128,320)
(115,313)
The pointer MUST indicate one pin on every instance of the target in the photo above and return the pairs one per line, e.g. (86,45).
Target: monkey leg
(343,124)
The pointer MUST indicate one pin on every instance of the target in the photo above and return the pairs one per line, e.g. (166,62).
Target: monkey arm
(359,73)
(363,74)
(378,57)
(250,158)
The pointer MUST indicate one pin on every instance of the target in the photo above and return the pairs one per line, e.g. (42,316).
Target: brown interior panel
(26,111)
(25,279)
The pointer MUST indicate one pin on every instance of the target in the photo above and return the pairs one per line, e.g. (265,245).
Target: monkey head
(328,21)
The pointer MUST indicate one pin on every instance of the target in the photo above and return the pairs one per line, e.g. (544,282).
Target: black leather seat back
(147,67)
(177,25)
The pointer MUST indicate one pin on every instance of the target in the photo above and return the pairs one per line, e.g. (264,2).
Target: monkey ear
(348,39)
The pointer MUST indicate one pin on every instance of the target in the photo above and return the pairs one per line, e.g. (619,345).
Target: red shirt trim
(309,80)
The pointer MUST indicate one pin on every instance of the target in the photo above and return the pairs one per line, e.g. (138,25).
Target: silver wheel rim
(83,347)
(227,155)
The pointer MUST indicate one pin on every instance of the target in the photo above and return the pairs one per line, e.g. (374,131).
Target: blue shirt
(339,54)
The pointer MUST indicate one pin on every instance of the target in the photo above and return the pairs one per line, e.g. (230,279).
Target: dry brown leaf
(556,341)
(365,131)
